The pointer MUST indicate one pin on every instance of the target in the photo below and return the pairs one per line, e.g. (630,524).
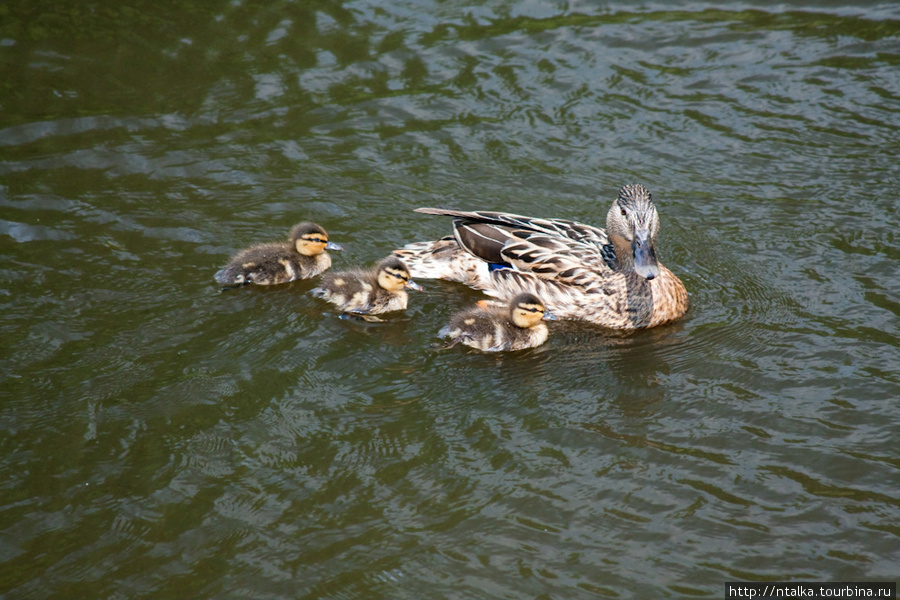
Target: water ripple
(165,438)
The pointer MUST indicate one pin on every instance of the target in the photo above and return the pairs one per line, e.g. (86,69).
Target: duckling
(368,292)
(495,327)
(302,257)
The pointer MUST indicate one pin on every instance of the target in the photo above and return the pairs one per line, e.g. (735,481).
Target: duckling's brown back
(271,264)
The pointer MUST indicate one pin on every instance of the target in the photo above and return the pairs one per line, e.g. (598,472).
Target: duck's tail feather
(444,259)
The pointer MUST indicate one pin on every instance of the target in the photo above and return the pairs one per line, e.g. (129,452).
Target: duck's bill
(414,286)
(549,316)
(333,246)
(645,263)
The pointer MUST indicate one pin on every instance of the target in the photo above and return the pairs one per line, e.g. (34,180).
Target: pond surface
(163,439)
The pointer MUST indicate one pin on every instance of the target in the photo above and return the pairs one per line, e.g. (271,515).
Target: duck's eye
(624,213)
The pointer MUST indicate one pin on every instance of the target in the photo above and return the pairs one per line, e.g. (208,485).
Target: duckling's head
(526,311)
(310,239)
(394,276)
(632,224)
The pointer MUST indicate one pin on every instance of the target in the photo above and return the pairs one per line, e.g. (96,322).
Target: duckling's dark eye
(624,213)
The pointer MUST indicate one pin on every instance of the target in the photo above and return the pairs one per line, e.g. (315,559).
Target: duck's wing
(562,228)
(542,246)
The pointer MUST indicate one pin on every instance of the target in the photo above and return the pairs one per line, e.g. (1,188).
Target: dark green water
(161,439)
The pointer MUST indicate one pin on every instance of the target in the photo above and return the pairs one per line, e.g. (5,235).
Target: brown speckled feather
(574,268)
(515,239)
(618,301)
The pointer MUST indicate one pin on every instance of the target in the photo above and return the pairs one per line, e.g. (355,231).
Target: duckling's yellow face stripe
(401,275)
(531,308)
(311,244)
(527,315)
(391,278)
(315,238)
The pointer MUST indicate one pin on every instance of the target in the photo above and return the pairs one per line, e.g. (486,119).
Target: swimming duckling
(368,292)
(302,257)
(495,327)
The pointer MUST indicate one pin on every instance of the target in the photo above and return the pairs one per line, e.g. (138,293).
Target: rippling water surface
(163,439)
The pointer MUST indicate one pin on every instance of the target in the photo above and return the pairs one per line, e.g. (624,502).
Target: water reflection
(162,438)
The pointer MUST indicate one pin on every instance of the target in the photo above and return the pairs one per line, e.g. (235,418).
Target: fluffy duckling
(495,327)
(301,257)
(379,290)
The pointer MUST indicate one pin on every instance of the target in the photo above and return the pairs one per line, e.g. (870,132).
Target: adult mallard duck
(301,257)
(368,292)
(497,327)
(609,277)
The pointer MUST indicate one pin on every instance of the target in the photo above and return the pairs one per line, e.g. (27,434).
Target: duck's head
(310,239)
(526,310)
(632,224)
(394,276)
